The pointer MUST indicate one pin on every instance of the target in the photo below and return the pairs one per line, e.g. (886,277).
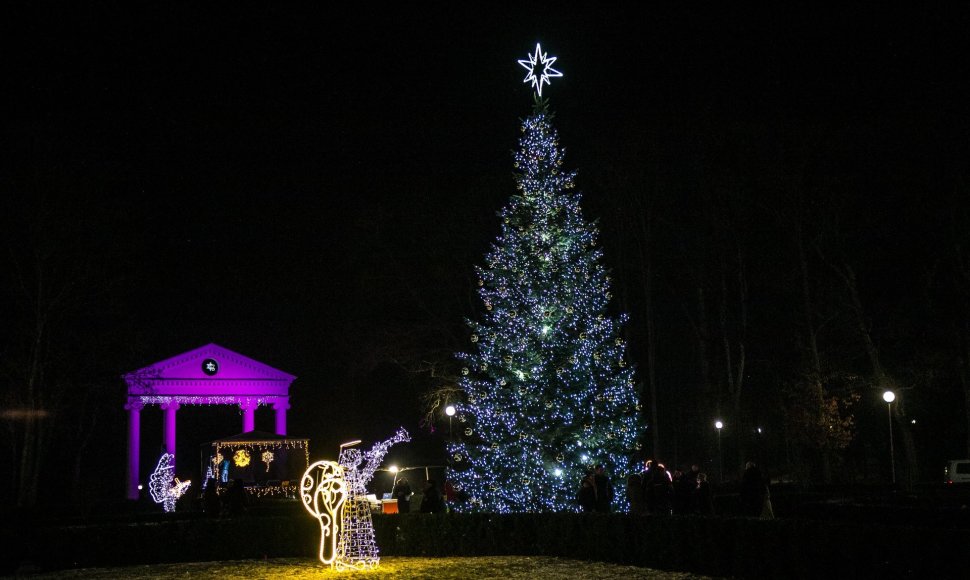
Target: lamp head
(889,396)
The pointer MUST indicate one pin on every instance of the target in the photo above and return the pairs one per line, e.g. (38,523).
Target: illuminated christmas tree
(549,389)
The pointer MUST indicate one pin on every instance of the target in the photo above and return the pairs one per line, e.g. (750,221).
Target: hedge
(715,546)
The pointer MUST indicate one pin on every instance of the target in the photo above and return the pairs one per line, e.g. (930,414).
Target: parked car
(957,471)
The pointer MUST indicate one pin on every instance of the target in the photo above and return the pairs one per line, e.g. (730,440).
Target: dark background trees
(782,199)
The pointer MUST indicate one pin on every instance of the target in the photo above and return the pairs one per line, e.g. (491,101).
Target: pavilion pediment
(209,370)
(211,362)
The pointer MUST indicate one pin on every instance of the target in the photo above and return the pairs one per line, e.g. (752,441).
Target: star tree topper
(542,64)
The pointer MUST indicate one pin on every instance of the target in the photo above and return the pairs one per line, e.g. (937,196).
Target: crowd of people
(231,503)
(657,491)
(432,499)
(652,491)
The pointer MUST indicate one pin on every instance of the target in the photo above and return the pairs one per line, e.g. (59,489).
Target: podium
(389,506)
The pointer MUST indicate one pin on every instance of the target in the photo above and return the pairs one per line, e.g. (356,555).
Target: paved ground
(505,567)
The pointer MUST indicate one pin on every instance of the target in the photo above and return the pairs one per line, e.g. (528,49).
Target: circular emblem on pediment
(210,366)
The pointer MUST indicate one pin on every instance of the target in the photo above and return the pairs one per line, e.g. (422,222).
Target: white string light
(549,389)
(163,486)
(541,63)
(357,548)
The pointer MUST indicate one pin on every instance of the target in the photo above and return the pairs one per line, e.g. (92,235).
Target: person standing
(703,500)
(690,483)
(662,489)
(634,493)
(402,493)
(683,491)
(211,504)
(431,503)
(649,501)
(235,501)
(753,490)
(587,493)
(604,489)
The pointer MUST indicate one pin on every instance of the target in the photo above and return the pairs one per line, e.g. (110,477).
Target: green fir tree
(549,390)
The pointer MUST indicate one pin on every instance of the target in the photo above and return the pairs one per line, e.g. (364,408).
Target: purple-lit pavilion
(208,375)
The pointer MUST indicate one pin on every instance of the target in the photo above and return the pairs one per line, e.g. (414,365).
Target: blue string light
(549,389)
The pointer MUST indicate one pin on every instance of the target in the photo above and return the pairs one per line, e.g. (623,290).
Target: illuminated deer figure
(356,548)
(324,490)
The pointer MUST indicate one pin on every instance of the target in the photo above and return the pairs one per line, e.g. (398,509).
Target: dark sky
(261,178)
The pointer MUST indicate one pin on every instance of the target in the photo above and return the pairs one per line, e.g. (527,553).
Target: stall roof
(255,437)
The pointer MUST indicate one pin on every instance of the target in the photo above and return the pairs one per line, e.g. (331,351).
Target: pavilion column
(134,408)
(280,406)
(249,415)
(170,408)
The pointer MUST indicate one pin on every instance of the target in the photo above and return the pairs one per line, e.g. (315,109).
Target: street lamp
(720,457)
(450,411)
(889,397)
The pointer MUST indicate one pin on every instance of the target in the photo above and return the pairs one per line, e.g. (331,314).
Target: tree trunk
(646,280)
(734,371)
(882,379)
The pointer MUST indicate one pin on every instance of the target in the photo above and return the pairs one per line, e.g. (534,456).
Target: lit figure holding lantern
(356,548)
(323,490)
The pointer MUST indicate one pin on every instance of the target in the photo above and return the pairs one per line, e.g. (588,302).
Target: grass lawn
(510,567)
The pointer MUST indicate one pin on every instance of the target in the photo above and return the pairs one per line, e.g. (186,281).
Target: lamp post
(889,397)
(450,411)
(720,457)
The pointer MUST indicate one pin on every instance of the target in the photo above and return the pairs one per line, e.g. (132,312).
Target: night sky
(312,188)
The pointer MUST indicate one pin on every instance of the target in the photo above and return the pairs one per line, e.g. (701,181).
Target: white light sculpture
(164,487)
(356,548)
(209,474)
(543,64)
(324,490)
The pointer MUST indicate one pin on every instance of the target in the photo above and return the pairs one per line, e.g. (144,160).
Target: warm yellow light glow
(349,443)
(323,490)
(181,487)
(393,469)
(267,459)
(241,458)
(24,414)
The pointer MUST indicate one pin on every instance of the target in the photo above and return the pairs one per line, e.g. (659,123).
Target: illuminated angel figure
(164,487)
(323,491)
(356,548)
